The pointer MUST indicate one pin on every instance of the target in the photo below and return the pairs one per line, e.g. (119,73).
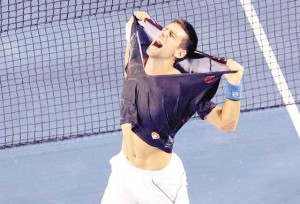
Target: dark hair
(190,44)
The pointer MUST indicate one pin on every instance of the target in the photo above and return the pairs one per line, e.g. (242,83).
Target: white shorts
(130,185)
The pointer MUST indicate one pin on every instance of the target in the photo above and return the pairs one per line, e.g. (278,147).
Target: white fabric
(130,185)
(128,32)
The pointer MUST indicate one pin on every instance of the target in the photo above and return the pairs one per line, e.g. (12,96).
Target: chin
(152,52)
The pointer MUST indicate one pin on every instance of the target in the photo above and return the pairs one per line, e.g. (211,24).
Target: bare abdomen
(140,154)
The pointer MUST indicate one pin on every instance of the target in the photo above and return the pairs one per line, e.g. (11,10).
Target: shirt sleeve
(128,111)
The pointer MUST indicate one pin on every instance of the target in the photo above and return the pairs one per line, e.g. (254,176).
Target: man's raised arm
(226,118)
(140,15)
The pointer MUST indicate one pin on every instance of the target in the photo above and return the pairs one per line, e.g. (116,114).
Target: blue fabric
(234,92)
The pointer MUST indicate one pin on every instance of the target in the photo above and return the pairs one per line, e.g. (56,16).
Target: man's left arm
(226,118)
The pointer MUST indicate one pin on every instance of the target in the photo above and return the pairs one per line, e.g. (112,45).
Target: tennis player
(147,171)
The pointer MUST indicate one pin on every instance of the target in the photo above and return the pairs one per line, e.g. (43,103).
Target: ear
(180,53)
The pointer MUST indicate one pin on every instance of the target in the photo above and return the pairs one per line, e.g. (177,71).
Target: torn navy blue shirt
(158,106)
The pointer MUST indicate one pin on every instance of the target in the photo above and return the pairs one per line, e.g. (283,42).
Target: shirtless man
(145,172)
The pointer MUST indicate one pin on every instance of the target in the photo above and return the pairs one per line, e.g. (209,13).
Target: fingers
(141,15)
(233,65)
(229,62)
(234,78)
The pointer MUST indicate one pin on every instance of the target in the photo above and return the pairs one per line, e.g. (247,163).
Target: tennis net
(61,69)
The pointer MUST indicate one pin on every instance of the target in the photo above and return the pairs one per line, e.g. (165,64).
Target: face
(167,43)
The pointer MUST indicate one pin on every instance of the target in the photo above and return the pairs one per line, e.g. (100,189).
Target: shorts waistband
(122,160)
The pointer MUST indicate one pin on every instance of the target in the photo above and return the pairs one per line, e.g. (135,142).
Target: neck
(156,66)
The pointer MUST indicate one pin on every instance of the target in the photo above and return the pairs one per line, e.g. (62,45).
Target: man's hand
(234,78)
(140,15)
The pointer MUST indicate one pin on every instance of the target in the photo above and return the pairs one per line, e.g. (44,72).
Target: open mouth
(157,44)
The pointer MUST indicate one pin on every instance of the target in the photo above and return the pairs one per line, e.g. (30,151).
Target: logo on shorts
(155,135)
(209,79)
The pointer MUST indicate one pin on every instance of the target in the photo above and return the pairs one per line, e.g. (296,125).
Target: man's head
(175,41)
(190,43)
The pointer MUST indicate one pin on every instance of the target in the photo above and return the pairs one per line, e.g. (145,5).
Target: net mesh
(61,62)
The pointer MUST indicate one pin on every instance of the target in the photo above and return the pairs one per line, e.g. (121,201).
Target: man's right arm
(140,15)
(128,33)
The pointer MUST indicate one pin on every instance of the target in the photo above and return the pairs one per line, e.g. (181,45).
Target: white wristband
(128,33)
